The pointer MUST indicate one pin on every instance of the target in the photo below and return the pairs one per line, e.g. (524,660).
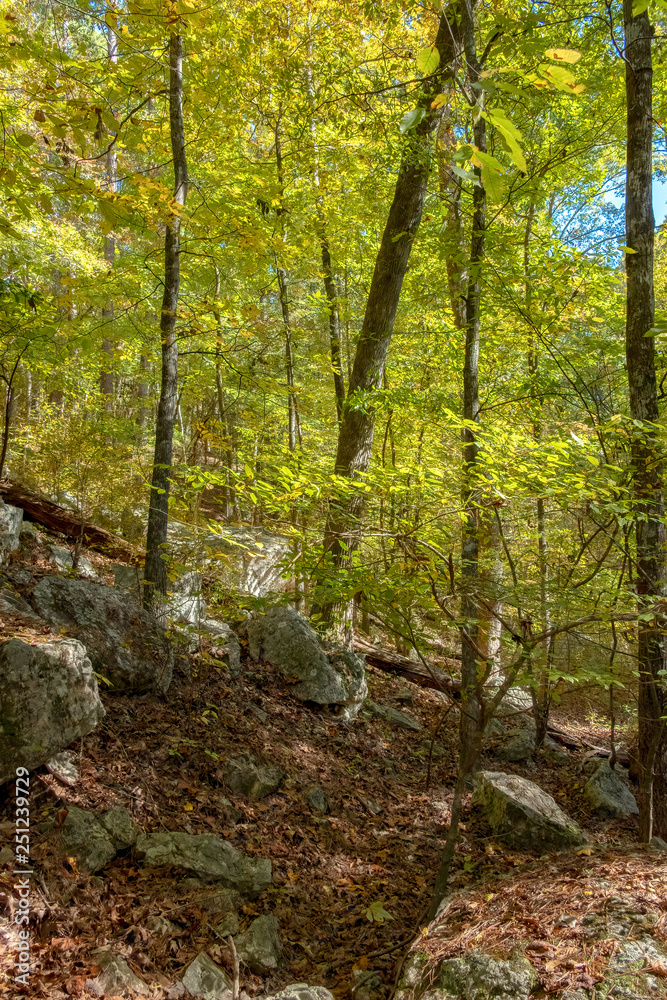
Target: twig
(235,960)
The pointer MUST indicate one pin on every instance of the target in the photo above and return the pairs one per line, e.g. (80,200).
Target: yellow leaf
(563,55)
(585,852)
(188,807)
(438,101)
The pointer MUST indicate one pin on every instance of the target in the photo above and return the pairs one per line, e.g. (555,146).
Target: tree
(158,514)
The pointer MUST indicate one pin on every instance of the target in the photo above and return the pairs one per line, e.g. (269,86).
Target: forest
(371,297)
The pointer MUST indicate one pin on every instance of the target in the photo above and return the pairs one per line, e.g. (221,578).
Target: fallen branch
(69,523)
(394,663)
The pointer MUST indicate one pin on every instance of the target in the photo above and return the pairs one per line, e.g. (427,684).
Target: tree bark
(106,375)
(640,357)
(158,514)
(357,424)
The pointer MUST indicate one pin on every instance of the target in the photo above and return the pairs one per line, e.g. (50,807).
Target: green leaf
(428,60)
(627,249)
(492,180)
(639,7)
(376,912)
(24,139)
(510,134)
(411,119)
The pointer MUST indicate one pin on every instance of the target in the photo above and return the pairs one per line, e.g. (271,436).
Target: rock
(11,519)
(48,697)
(607,794)
(161,926)
(125,644)
(219,902)
(392,715)
(523,814)
(64,562)
(224,639)
(63,766)
(207,856)
(658,844)
(228,811)
(323,673)
(120,827)
(186,605)
(246,777)
(87,840)
(471,976)
(555,754)
(301,991)
(116,977)
(128,578)
(244,559)
(405,697)
(205,980)
(364,983)
(317,799)
(520,746)
(13,604)
(260,946)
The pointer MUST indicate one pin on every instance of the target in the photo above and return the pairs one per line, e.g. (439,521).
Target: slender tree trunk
(106,375)
(158,514)
(357,425)
(471,719)
(640,356)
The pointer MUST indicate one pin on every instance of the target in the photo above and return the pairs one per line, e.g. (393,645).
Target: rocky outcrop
(301,991)
(184,605)
(608,795)
(244,559)
(63,560)
(120,827)
(260,946)
(471,976)
(207,856)
(522,814)
(11,519)
(316,671)
(125,644)
(245,777)
(48,697)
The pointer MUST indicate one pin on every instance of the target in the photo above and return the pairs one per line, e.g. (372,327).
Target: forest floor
(379,843)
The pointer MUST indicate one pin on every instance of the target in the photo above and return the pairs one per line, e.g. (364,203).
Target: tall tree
(640,356)
(158,514)
(357,423)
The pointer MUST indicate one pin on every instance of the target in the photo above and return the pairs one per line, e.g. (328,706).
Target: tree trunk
(357,425)
(106,375)
(158,514)
(640,356)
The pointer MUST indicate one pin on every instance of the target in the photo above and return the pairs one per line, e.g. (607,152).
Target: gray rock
(302,991)
(219,902)
(658,844)
(554,753)
(405,697)
(85,838)
(128,578)
(125,644)
(471,976)
(520,746)
(393,716)
(319,672)
(608,795)
(121,827)
(205,980)
(48,697)
(64,562)
(13,604)
(116,978)
(523,814)
(228,811)
(11,519)
(245,777)
(244,559)
(260,946)
(317,799)
(225,640)
(64,766)
(207,856)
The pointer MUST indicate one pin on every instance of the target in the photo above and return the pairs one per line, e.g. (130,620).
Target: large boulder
(207,856)
(316,671)
(48,697)
(608,795)
(474,975)
(125,644)
(11,519)
(524,815)
(302,991)
(185,604)
(243,558)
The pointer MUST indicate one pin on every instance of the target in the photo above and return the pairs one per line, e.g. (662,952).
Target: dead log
(52,515)
(417,673)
